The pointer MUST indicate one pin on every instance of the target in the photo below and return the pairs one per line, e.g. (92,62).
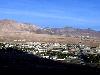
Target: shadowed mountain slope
(13,61)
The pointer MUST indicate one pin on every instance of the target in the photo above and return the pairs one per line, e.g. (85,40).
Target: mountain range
(11,30)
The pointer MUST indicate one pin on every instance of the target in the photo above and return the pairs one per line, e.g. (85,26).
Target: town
(68,53)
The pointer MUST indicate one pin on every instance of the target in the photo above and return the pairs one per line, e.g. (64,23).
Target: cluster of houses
(55,51)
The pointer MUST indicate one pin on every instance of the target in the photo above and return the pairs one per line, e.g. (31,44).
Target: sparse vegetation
(51,51)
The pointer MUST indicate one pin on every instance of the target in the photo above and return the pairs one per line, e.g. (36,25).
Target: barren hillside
(11,30)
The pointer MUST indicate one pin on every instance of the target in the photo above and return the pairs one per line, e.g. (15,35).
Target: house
(65,52)
(61,59)
(45,57)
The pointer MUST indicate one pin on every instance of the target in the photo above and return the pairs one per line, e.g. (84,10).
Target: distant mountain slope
(11,30)
(13,26)
(73,32)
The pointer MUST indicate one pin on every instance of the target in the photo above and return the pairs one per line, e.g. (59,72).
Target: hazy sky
(53,13)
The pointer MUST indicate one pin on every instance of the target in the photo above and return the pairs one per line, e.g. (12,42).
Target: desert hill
(11,30)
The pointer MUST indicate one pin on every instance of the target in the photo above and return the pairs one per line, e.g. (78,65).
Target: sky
(53,13)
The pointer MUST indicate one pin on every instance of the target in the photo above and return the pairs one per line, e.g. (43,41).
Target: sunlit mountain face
(11,30)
